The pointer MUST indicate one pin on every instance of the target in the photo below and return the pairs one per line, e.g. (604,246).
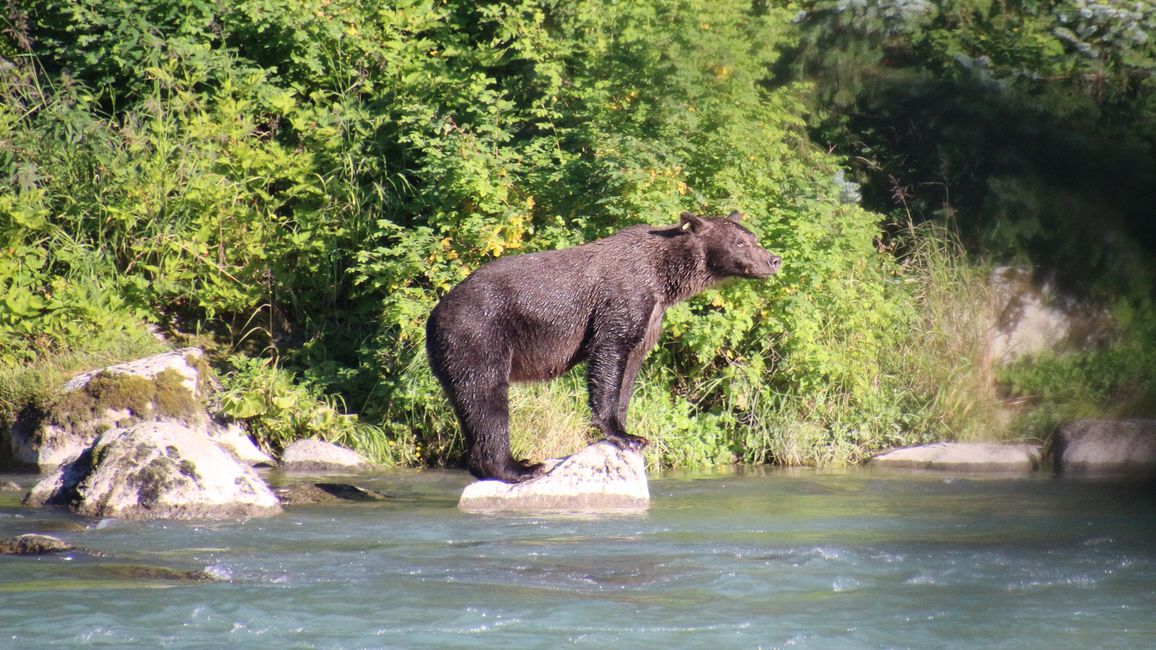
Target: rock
(313,455)
(1033,317)
(1105,447)
(119,572)
(305,494)
(157,470)
(963,457)
(33,545)
(600,478)
(10,486)
(171,385)
(184,362)
(233,437)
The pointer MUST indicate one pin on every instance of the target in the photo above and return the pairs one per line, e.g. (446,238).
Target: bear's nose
(776,262)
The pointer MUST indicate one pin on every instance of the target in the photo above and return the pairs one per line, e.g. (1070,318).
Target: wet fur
(532,317)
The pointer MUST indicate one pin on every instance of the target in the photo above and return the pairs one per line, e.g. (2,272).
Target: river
(738,559)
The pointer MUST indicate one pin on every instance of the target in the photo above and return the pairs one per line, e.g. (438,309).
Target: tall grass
(942,364)
(550,419)
(37,380)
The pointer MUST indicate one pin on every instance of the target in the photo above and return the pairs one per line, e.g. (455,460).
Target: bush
(278,410)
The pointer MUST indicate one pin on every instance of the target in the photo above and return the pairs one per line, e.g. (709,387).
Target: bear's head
(729,249)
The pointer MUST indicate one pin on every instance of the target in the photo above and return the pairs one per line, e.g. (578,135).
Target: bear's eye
(741,244)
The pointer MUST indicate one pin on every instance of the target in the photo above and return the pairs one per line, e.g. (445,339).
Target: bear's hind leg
(484,415)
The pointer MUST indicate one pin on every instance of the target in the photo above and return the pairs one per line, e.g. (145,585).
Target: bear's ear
(692,222)
(735,216)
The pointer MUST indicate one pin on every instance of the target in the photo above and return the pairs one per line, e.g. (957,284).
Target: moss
(189,469)
(77,409)
(152,480)
(200,363)
(171,396)
(115,391)
(69,410)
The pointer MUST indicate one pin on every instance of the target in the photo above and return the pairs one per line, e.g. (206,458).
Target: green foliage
(1027,127)
(279,410)
(307,177)
(1110,381)
(657,120)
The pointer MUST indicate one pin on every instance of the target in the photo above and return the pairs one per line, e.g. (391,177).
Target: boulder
(185,362)
(172,386)
(157,470)
(1126,447)
(963,457)
(168,385)
(313,455)
(1032,316)
(32,544)
(599,479)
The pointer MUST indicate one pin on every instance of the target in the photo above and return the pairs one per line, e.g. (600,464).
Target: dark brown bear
(533,317)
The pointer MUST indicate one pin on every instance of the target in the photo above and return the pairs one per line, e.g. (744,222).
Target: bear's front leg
(605,374)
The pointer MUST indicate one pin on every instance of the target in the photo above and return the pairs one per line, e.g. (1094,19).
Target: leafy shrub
(279,410)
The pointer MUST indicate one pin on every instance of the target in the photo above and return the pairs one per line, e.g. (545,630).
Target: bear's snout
(767,266)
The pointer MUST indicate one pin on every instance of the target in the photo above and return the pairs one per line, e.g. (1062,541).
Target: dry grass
(550,419)
(946,357)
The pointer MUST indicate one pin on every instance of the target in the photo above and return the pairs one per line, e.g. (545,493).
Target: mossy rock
(32,544)
(157,470)
(161,387)
(115,400)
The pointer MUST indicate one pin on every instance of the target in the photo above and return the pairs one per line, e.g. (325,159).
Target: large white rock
(1028,322)
(1105,447)
(1033,317)
(157,470)
(599,479)
(313,455)
(963,457)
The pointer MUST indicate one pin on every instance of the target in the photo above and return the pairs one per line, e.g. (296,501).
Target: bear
(532,317)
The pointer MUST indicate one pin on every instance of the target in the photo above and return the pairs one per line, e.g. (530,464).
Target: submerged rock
(156,470)
(963,457)
(1105,447)
(32,544)
(146,572)
(304,494)
(600,478)
(313,455)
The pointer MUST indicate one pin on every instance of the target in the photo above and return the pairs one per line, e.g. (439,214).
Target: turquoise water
(739,560)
